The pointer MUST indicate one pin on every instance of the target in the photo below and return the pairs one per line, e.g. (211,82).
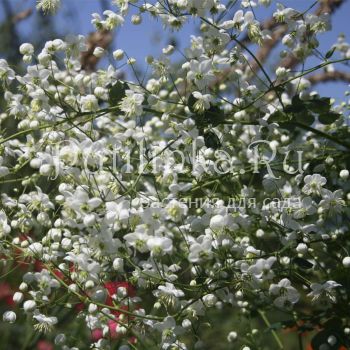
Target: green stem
(268,324)
(322,134)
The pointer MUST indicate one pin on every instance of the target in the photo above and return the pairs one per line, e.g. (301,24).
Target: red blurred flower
(6,293)
(44,345)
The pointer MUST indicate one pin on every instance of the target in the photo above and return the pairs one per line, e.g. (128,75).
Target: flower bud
(9,316)
(346,262)
(29,305)
(18,297)
(118,55)
(118,264)
(98,52)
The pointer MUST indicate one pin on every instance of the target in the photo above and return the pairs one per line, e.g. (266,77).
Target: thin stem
(268,324)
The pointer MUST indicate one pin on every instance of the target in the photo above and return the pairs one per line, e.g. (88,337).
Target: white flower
(138,240)
(236,22)
(176,210)
(332,202)
(131,104)
(48,5)
(46,282)
(286,294)
(200,72)
(284,14)
(200,250)
(324,290)
(89,103)
(5,228)
(45,323)
(113,20)
(76,44)
(6,73)
(160,245)
(170,289)
(262,269)
(313,184)
(203,101)
(307,207)
(123,5)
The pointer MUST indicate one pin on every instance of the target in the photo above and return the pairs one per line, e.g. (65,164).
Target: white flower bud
(332,340)
(149,59)
(98,52)
(26,49)
(29,305)
(346,262)
(209,300)
(9,316)
(92,308)
(118,55)
(121,329)
(89,284)
(344,174)
(217,222)
(136,19)
(18,297)
(118,264)
(301,248)
(260,233)
(186,323)
(232,336)
(36,248)
(168,50)
(45,169)
(23,287)
(60,339)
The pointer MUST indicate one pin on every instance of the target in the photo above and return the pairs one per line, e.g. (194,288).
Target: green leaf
(190,103)
(330,53)
(117,93)
(278,117)
(211,140)
(304,118)
(303,263)
(297,105)
(319,105)
(288,126)
(214,115)
(328,118)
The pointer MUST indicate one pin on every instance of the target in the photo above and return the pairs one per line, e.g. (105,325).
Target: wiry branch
(326,6)
(102,39)
(329,76)
(22,15)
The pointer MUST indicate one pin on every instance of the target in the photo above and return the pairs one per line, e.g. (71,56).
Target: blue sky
(150,37)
